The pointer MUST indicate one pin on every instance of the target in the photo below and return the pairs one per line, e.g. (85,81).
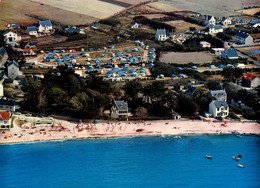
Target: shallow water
(133,162)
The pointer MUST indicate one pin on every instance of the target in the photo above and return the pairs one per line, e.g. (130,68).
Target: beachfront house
(205,44)
(209,20)
(45,26)
(119,109)
(31,31)
(5,122)
(220,95)
(214,29)
(161,35)
(243,38)
(219,108)
(11,37)
(12,69)
(250,80)
(229,54)
(8,105)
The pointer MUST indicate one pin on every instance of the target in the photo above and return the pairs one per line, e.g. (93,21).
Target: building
(5,120)
(45,26)
(219,109)
(205,44)
(12,69)
(2,79)
(31,31)
(244,39)
(220,95)
(255,23)
(3,56)
(28,52)
(229,54)
(135,26)
(72,30)
(210,20)
(8,105)
(249,80)
(119,109)
(217,51)
(11,37)
(225,21)
(214,29)
(161,35)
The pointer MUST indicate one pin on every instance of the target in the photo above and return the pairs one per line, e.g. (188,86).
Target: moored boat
(240,165)
(208,156)
(235,158)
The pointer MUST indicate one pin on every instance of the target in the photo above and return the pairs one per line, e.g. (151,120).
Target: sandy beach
(103,129)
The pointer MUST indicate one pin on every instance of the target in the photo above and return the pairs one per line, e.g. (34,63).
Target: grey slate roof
(218,104)
(121,105)
(242,34)
(161,32)
(46,23)
(231,53)
(29,29)
(255,21)
(13,63)
(2,51)
(215,27)
(218,92)
(8,102)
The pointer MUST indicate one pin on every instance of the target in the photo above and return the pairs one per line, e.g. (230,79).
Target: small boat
(239,156)
(239,136)
(235,158)
(239,165)
(177,136)
(209,157)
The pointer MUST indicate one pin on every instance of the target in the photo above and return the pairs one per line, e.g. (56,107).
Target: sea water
(133,162)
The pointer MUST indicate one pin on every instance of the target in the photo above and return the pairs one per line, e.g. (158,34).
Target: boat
(177,136)
(235,158)
(209,157)
(239,156)
(239,136)
(239,165)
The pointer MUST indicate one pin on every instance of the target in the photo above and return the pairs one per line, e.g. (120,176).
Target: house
(12,69)
(45,26)
(135,26)
(210,20)
(244,39)
(213,29)
(217,51)
(220,95)
(119,109)
(28,52)
(72,30)
(11,37)
(31,31)
(5,122)
(2,79)
(219,109)
(225,21)
(255,23)
(229,54)
(3,56)
(8,105)
(205,44)
(161,35)
(190,92)
(250,80)
(174,115)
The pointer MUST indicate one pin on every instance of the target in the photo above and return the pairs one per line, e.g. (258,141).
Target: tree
(141,112)
(186,106)
(163,68)
(132,88)
(213,85)
(232,74)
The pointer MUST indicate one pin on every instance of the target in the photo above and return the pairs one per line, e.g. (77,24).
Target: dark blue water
(133,162)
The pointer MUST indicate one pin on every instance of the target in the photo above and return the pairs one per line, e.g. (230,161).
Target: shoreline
(111,129)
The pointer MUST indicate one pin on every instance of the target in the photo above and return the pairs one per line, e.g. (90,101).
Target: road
(248,58)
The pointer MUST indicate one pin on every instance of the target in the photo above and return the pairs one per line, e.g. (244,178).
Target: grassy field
(182,26)
(187,57)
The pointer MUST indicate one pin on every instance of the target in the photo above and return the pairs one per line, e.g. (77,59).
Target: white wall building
(219,109)
(161,35)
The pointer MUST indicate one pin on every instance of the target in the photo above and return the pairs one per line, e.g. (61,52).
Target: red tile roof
(249,76)
(4,115)
(27,50)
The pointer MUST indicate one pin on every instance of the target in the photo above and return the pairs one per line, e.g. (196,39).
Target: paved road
(248,58)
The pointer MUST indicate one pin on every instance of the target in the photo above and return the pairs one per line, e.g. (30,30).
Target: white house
(244,39)
(135,26)
(213,29)
(45,26)
(5,120)
(13,70)
(161,35)
(11,37)
(119,109)
(225,21)
(31,31)
(219,109)
(210,20)
(205,44)
(220,95)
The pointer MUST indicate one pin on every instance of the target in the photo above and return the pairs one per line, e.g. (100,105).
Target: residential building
(190,92)
(3,56)
(5,122)
(217,51)
(45,26)
(31,31)
(205,44)
(119,109)
(210,20)
(8,105)
(229,54)
(255,23)
(11,37)
(161,35)
(2,79)
(135,26)
(225,21)
(244,39)
(250,80)
(219,109)
(214,29)
(220,95)
(28,52)
(72,30)
(12,69)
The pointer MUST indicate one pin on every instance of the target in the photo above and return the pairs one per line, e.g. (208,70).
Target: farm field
(210,7)
(187,57)
(182,26)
